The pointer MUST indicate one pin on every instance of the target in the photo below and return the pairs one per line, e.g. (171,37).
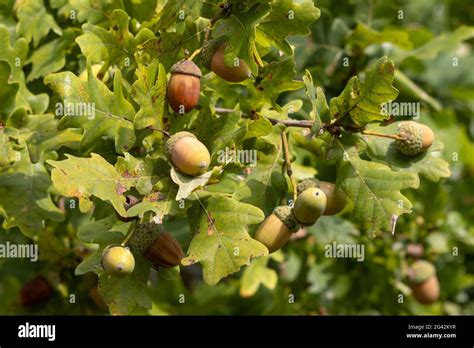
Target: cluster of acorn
(315,198)
(184,85)
(156,245)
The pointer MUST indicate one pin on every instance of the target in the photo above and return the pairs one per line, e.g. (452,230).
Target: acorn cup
(35,291)
(188,154)
(184,86)
(309,206)
(118,261)
(413,138)
(424,282)
(277,228)
(336,199)
(159,247)
(212,56)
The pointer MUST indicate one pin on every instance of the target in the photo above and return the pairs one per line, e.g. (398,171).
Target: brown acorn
(184,86)
(277,228)
(159,247)
(424,282)
(36,291)
(212,56)
(188,154)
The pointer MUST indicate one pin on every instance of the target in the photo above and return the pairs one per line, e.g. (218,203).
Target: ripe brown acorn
(277,228)
(188,154)
(36,291)
(424,282)
(184,86)
(159,247)
(212,56)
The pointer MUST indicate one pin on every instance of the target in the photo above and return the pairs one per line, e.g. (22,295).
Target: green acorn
(118,260)
(336,199)
(413,138)
(159,247)
(309,206)
(306,184)
(188,154)
(277,228)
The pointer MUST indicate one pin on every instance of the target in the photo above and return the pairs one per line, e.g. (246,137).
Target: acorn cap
(186,67)
(209,48)
(284,213)
(175,138)
(306,184)
(411,135)
(420,271)
(144,236)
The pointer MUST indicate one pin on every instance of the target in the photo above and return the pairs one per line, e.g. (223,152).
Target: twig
(391,136)
(289,169)
(195,53)
(159,130)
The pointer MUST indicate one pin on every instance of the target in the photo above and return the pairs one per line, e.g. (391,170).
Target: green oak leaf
(25,199)
(90,105)
(286,18)
(375,190)
(8,151)
(160,203)
(311,94)
(221,242)
(86,177)
(34,22)
(257,274)
(114,46)
(94,11)
(149,91)
(427,164)
(265,186)
(240,31)
(141,173)
(43,62)
(187,184)
(363,36)
(361,101)
(8,91)
(16,55)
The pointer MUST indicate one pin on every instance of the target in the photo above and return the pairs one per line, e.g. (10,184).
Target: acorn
(118,261)
(413,138)
(159,247)
(277,228)
(36,291)
(212,56)
(336,199)
(424,282)
(184,86)
(309,206)
(188,154)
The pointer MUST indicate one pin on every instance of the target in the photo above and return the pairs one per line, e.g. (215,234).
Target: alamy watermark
(343,251)
(76,109)
(22,251)
(402,109)
(237,156)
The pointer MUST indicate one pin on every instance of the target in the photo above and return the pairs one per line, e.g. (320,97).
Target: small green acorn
(188,154)
(309,206)
(159,247)
(277,228)
(118,261)
(413,138)
(336,199)
(424,282)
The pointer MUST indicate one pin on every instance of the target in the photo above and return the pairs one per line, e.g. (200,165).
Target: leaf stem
(153,128)
(127,239)
(289,169)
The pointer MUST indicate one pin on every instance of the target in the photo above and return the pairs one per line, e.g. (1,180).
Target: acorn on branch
(309,206)
(35,291)
(188,154)
(424,282)
(336,199)
(277,228)
(413,138)
(118,261)
(159,247)
(212,56)
(184,86)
